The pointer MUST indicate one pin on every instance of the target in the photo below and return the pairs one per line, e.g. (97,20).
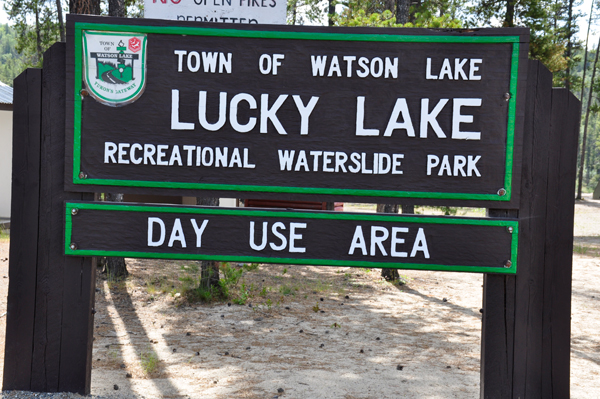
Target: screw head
(82,175)
(74,211)
(84,93)
(73,246)
(507,96)
(507,264)
(510,229)
(502,192)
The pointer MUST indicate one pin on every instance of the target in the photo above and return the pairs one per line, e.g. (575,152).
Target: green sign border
(69,206)
(215,32)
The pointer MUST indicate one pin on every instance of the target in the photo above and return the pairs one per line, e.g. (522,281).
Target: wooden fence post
(58,332)
(24,229)
(525,330)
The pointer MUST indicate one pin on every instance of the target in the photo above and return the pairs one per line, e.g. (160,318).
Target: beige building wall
(5,162)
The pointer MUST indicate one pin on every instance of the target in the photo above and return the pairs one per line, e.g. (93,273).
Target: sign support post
(56,329)
(525,339)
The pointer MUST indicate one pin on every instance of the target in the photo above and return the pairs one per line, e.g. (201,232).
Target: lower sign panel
(292,237)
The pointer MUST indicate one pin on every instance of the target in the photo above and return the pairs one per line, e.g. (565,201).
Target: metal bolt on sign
(502,192)
(507,264)
(73,246)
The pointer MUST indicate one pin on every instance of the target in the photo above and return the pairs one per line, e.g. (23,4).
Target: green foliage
(243,295)
(548,20)
(4,236)
(369,13)
(36,26)
(10,60)
(300,12)
(251,267)
(201,294)
(230,287)
(287,290)
(448,210)
(263,292)
(134,8)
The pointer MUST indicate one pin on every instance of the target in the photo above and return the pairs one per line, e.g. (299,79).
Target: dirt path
(315,332)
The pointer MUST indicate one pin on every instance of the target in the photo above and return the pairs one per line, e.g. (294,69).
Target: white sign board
(230,11)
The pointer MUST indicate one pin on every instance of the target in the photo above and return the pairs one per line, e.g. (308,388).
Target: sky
(584,9)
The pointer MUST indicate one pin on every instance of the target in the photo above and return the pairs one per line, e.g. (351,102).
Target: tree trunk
(416,9)
(61,23)
(389,274)
(116,8)
(91,7)
(389,5)
(402,11)
(585,124)
(209,270)
(115,267)
(330,11)
(410,209)
(509,17)
(587,38)
(569,45)
(588,160)
(585,58)
(38,38)
(388,208)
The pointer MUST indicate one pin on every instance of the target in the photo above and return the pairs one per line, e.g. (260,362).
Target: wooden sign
(305,238)
(295,111)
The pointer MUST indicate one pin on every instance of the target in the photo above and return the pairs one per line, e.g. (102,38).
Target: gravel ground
(60,395)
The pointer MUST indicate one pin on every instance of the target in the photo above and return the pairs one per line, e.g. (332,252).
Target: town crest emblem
(114,66)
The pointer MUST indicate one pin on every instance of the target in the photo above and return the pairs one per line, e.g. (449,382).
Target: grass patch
(287,290)
(242,284)
(402,280)
(231,284)
(586,250)
(115,284)
(201,294)
(4,236)
(149,362)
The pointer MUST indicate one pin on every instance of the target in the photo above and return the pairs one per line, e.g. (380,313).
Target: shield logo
(114,73)
(135,44)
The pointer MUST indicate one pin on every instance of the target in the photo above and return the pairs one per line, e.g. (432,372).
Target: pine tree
(36,25)
(546,19)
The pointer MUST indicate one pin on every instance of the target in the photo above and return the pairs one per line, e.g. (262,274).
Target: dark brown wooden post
(560,210)
(58,332)
(24,230)
(525,332)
